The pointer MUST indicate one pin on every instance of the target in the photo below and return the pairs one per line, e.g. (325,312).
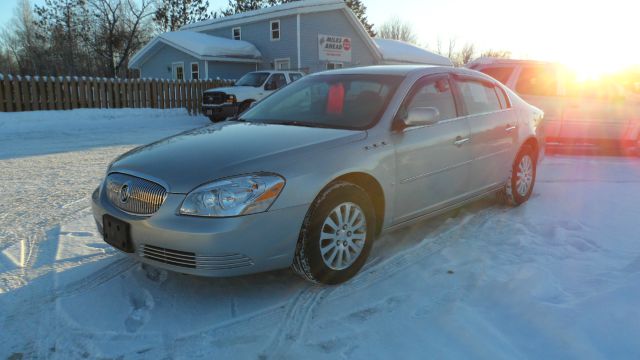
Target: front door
(178,71)
(282,64)
(432,162)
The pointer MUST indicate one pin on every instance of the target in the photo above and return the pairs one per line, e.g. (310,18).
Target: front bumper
(220,111)
(215,247)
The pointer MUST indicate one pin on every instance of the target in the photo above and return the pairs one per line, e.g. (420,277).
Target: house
(307,35)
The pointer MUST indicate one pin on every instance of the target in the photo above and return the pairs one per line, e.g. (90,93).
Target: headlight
(241,195)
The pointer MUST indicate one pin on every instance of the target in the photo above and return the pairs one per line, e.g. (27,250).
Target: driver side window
(275,82)
(434,93)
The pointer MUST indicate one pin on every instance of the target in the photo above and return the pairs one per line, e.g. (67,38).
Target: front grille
(193,261)
(134,195)
(214,98)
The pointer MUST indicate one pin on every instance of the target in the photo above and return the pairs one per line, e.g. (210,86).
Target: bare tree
(122,28)
(465,55)
(396,29)
(496,53)
(20,42)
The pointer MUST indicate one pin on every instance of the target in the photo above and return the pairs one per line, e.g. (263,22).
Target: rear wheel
(336,236)
(522,177)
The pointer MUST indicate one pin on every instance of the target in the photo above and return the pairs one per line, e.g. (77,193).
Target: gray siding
(229,71)
(330,23)
(259,34)
(159,65)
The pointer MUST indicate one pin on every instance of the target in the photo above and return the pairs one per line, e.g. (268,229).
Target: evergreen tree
(172,14)
(360,11)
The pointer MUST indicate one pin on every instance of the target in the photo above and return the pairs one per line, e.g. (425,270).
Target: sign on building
(334,48)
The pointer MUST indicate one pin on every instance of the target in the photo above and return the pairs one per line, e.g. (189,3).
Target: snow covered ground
(558,277)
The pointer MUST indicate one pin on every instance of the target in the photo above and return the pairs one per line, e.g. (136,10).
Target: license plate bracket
(117,233)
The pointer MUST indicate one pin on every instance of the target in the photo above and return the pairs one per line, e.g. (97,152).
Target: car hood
(187,160)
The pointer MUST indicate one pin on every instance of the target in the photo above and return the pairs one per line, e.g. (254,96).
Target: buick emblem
(125,193)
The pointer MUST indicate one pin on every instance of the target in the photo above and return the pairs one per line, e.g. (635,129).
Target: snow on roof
(394,50)
(201,46)
(295,7)
(208,45)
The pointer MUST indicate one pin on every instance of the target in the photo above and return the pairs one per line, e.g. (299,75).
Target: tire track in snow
(297,313)
(296,317)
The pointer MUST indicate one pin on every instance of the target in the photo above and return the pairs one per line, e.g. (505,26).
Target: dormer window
(275,30)
(236,33)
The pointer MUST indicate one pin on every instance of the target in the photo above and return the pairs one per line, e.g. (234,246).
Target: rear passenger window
(479,97)
(294,76)
(436,94)
(500,73)
(537,81)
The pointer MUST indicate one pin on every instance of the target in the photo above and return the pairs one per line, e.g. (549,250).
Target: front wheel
(216,119)
(522,178)
(336,236)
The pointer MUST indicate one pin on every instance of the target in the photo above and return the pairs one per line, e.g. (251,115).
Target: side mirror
(421,116)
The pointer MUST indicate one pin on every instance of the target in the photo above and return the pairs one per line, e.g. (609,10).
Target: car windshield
(334,101)
(255,79)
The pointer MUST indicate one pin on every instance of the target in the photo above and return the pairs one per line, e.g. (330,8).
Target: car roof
(494,61)
(277,71)
(402,70)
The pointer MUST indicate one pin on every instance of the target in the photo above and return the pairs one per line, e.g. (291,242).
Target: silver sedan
(310,176)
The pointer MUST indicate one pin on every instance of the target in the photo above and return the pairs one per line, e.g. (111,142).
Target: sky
(588,35)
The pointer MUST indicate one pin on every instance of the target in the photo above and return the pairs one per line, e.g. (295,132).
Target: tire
(334,267)
(216,119)
(522,178)
(243,106)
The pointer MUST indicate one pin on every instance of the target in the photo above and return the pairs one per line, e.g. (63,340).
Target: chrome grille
(214,97)
(142,197)
(191,260)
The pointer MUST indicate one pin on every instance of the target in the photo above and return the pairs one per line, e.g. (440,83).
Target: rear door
(493,127)
(432,163)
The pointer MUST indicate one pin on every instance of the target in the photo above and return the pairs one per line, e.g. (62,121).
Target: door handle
(460,140)
(510,128)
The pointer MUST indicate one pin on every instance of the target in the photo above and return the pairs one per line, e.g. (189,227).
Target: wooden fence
(65,93)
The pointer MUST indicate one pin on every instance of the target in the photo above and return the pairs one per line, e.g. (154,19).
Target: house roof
(399,51)
(200,46)
(286,9)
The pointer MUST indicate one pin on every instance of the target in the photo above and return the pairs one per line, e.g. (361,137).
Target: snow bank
(394,50)
(44,132)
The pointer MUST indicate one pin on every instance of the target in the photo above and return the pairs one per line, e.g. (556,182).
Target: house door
(282,64)
(178,71)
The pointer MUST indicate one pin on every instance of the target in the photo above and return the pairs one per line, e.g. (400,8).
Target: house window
(236,33)
(178,71)
(195,71)
(334,65)
(275,30)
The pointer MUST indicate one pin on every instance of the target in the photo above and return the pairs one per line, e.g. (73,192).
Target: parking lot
(558,277)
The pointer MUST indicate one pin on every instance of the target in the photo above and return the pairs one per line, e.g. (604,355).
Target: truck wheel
(216,119)
(243,106)
(336,235)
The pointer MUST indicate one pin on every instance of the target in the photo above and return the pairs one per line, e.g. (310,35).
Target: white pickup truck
(221,103)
